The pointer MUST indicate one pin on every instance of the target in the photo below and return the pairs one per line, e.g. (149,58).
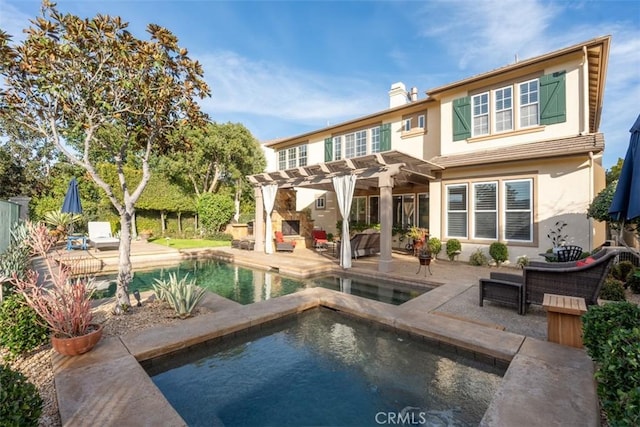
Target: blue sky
(283,68)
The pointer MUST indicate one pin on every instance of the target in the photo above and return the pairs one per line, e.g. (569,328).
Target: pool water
(324,368)
(246,286)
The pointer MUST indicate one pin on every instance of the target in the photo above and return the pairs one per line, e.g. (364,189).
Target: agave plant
(61,221)
(181,295)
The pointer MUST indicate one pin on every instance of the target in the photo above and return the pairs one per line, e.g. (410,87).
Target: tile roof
(581,144)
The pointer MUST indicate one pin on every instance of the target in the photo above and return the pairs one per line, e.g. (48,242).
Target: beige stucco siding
(572,126)
(557,196)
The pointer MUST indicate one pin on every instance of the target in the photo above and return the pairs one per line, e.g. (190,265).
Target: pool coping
(545,383)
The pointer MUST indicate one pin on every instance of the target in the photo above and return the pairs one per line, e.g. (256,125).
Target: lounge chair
(100,236)
(284,245)
(582,278)
(320,239)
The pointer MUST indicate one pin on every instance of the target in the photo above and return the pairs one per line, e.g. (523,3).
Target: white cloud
(240,85)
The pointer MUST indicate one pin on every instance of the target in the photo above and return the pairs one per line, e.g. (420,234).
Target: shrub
(435,246)
(181,296)
(453,248)
(21,329)
(20,403)
(215,211)
(618,377)
(478,258)
(15,259)
(225,237)
(621,270)
(601,321)
(613,290)
(633,281)
(499,252)
(522,261)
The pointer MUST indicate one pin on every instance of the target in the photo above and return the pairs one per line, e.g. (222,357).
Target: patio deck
(559,380)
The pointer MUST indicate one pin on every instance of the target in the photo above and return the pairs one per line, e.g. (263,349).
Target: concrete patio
(545,383)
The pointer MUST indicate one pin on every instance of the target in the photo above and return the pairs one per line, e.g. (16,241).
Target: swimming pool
(325,368)
(246,285)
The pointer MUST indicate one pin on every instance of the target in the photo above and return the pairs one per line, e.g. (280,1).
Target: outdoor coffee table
(502,291)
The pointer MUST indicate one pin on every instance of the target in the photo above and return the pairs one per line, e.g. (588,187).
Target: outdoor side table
(502,291)
(77,241)
(564,319)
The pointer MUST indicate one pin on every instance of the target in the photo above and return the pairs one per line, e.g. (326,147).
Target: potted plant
(424,255)
(64,303)
(557,236)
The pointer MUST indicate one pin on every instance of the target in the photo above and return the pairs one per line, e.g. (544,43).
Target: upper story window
(337,146)
(529,95)
(503,109)
(375,140)
(292,157)
(481,114)
(534,102)
(407,125)
(421,121)
(361,143)
(358,143)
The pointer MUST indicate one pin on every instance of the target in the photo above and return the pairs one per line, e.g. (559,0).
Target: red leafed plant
(63,302)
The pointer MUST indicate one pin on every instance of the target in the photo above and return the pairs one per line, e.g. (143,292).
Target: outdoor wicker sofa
(582,278)
(364,244)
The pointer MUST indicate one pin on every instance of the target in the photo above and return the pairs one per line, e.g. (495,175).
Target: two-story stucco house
(500,156)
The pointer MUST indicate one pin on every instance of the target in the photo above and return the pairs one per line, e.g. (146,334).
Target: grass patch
(189,243)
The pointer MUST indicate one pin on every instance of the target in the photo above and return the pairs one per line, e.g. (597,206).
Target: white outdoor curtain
(269,198)
(344,186)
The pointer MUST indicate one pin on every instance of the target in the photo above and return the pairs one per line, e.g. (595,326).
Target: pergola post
(258,226)
(385,183)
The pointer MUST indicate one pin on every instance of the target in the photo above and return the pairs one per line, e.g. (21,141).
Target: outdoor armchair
(284,245)
(583,278)
(319,238)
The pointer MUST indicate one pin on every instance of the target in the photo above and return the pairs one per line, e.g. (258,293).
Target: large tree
(73,79)
(221,154)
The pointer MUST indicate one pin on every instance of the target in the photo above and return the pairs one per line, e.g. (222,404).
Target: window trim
(422,122)
(321,202)
(496,211)
(466,210)
(504,210)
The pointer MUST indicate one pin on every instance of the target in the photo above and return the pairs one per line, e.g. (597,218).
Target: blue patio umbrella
(626,200)
(71,202)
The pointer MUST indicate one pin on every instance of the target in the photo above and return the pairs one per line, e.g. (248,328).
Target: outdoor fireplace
(290,227)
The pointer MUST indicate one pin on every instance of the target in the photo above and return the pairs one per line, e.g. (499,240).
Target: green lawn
(189,243)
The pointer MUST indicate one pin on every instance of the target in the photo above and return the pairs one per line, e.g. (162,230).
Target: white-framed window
(361,143)
(292,158)
(349,146)
(421,121)
(480,108)
(457,210)
(358,209)
(529,102)
(518,210)
(485,210)
(503,105)
(404,208)
(337,147)
(407,125)
(321,203)
(302,155)
(375,139)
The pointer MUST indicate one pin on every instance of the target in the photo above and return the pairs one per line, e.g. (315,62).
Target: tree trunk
(134,227)
(180,222)
(124,264)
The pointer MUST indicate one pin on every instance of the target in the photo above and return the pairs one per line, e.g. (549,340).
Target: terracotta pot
(77,345)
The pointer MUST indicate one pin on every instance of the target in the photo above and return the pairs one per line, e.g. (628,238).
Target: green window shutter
(385,137)
(328,149)
(553,98)
(461,118)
